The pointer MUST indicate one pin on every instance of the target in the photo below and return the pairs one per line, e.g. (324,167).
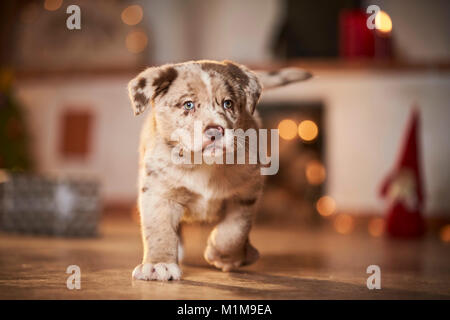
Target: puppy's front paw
(158,271)
(227,262)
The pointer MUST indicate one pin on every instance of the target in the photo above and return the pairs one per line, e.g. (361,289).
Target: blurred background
(66,122)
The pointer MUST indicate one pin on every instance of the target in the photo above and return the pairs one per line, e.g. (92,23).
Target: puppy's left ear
(249,83)
(150,84)
(253,90)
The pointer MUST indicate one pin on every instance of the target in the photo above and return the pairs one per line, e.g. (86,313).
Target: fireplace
(296,191)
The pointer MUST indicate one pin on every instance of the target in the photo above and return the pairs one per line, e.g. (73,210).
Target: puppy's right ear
(150,84)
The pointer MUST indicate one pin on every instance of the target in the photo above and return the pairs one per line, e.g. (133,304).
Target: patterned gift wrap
(38,205)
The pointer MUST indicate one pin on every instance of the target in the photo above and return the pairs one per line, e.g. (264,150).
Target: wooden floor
(294,264)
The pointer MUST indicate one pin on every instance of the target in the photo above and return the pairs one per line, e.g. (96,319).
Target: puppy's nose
(214,131)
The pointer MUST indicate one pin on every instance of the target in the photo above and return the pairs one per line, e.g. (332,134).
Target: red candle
(355,39)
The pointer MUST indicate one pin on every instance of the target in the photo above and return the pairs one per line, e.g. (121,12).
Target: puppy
(219,96)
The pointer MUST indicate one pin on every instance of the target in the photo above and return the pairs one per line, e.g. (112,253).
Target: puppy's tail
(282,77)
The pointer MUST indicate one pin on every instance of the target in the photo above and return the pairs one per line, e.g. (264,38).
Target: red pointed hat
(409,156)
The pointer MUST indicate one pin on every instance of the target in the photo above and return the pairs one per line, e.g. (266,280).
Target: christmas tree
(14,153)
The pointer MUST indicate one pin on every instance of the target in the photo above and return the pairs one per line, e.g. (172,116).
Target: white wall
(114,154)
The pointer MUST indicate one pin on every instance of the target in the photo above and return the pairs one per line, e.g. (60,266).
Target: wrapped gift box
(39,205)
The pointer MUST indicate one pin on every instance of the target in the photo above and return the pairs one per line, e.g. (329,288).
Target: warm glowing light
(445,233)
(307,130)
(326,206)
(52,5)
(287,129)
(376,227)
(4,177)
(136,41)
(344,223)
(383,22)
(315,172)
(132,15)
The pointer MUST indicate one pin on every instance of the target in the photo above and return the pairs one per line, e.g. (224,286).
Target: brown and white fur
(171,193)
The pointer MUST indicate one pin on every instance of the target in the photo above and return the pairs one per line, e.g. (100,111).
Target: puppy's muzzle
(212,134)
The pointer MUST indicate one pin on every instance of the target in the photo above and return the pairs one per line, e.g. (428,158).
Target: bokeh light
(445,233)
(132,15)
(315,172)
(287,129)
(325,206)
(344,223)
(136,41)
(383,22)
(376,227)
(4,177)
(52,5)
(308,130)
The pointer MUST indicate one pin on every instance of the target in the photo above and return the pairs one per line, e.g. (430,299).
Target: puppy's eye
(188,105)
(227,104)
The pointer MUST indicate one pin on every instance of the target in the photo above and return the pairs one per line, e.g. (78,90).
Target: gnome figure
(403,188)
